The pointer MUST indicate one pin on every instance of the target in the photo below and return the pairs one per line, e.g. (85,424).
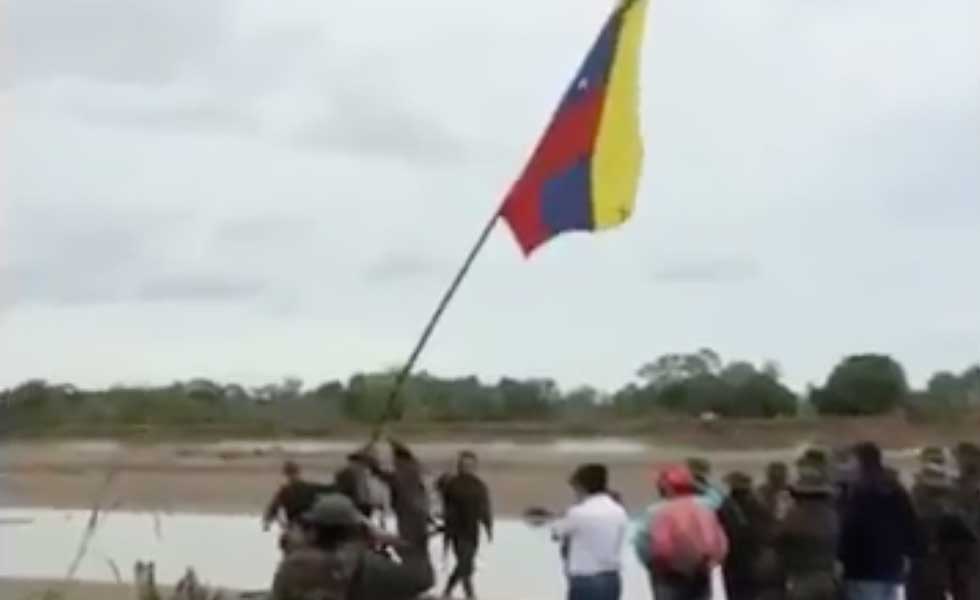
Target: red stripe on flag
(570,136)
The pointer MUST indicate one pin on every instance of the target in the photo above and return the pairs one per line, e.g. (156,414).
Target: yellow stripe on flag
(618,155)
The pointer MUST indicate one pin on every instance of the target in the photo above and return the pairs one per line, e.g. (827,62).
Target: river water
(233,552)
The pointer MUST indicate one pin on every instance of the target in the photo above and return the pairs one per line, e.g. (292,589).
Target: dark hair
(592,478)
(401,452)
(813,456)
(777,468)
(966,452)
(467,454)
(869,456)
(330,537)
(290,468)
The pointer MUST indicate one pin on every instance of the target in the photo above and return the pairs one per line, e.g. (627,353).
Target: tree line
(698,384)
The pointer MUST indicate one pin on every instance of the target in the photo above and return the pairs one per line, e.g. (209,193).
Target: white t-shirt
(594,530)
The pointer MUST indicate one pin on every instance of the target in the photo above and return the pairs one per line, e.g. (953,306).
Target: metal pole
(430,327)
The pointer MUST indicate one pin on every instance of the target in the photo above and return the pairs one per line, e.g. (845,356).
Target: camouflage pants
(812,586)
(965,575)
(929,579)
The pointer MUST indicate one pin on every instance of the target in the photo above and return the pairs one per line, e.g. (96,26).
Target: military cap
(699,467)
(933,475)
(738,481)
(333,510)
(811,480)
(932,455)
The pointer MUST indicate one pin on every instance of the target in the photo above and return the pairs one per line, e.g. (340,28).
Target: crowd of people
(837,525)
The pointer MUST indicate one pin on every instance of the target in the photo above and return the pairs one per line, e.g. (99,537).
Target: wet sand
(239,477)
(30,589)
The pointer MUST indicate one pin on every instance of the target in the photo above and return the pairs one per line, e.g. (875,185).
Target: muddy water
(232,551)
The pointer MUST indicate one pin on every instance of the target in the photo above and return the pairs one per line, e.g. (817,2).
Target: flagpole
(430,327)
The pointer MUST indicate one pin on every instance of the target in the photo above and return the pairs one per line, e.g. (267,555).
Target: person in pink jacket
(680,540)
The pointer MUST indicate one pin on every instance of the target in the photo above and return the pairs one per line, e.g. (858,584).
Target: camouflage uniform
(776,485)
(807,538)
(748,568)
(409,497)
(700,468)
(349,570)
(965,568)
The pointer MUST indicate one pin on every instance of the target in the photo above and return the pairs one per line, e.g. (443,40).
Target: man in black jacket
(294,498)
(880,533)
(466,506)
(352,480)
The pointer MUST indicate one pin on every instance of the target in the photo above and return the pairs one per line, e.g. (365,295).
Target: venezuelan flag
(584,173)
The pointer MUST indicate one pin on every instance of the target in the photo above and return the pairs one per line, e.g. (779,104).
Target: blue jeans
(870,590)
(604,586)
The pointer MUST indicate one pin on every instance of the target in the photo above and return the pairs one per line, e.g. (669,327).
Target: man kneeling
(338,561)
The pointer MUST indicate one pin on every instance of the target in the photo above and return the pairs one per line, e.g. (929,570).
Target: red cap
(676,479)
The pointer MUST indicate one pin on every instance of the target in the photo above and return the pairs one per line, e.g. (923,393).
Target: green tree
(762,396)
(366,399)
(865,384)
(674,368)
(738,372)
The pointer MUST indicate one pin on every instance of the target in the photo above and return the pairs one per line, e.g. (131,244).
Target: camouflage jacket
(351,572)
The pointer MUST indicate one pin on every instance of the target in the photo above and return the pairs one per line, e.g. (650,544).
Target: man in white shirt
(592,535)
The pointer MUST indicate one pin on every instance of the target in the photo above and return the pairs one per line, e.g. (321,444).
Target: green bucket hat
(333,510)
(933,475)
(699,467)
(811,480)
(932,455)
(739,481)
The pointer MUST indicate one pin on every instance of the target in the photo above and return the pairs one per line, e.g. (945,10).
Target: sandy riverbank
(240,476)
(30,589)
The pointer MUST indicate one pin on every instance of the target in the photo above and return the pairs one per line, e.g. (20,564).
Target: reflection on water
(603,445)
(232,551)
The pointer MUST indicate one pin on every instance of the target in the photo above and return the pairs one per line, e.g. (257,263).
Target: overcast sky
(244,189)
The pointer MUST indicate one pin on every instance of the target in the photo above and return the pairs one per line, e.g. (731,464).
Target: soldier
(965,575)
(943,529)
(466,502)
(338,563)
(701,470)
(843,474)
(807,538)
(409,498)
(773,492)
(748,525)
(815,457)
(353,480)
(295,497)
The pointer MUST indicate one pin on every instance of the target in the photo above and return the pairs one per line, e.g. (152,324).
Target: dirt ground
(240,477)
(27,589)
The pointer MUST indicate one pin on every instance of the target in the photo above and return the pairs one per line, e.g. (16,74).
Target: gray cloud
(170,67)
(270,228)
(151,41)
(379,125)
(201,286)
(78,256)
(400,267)
(720,270)
(193,117)
(282,159)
